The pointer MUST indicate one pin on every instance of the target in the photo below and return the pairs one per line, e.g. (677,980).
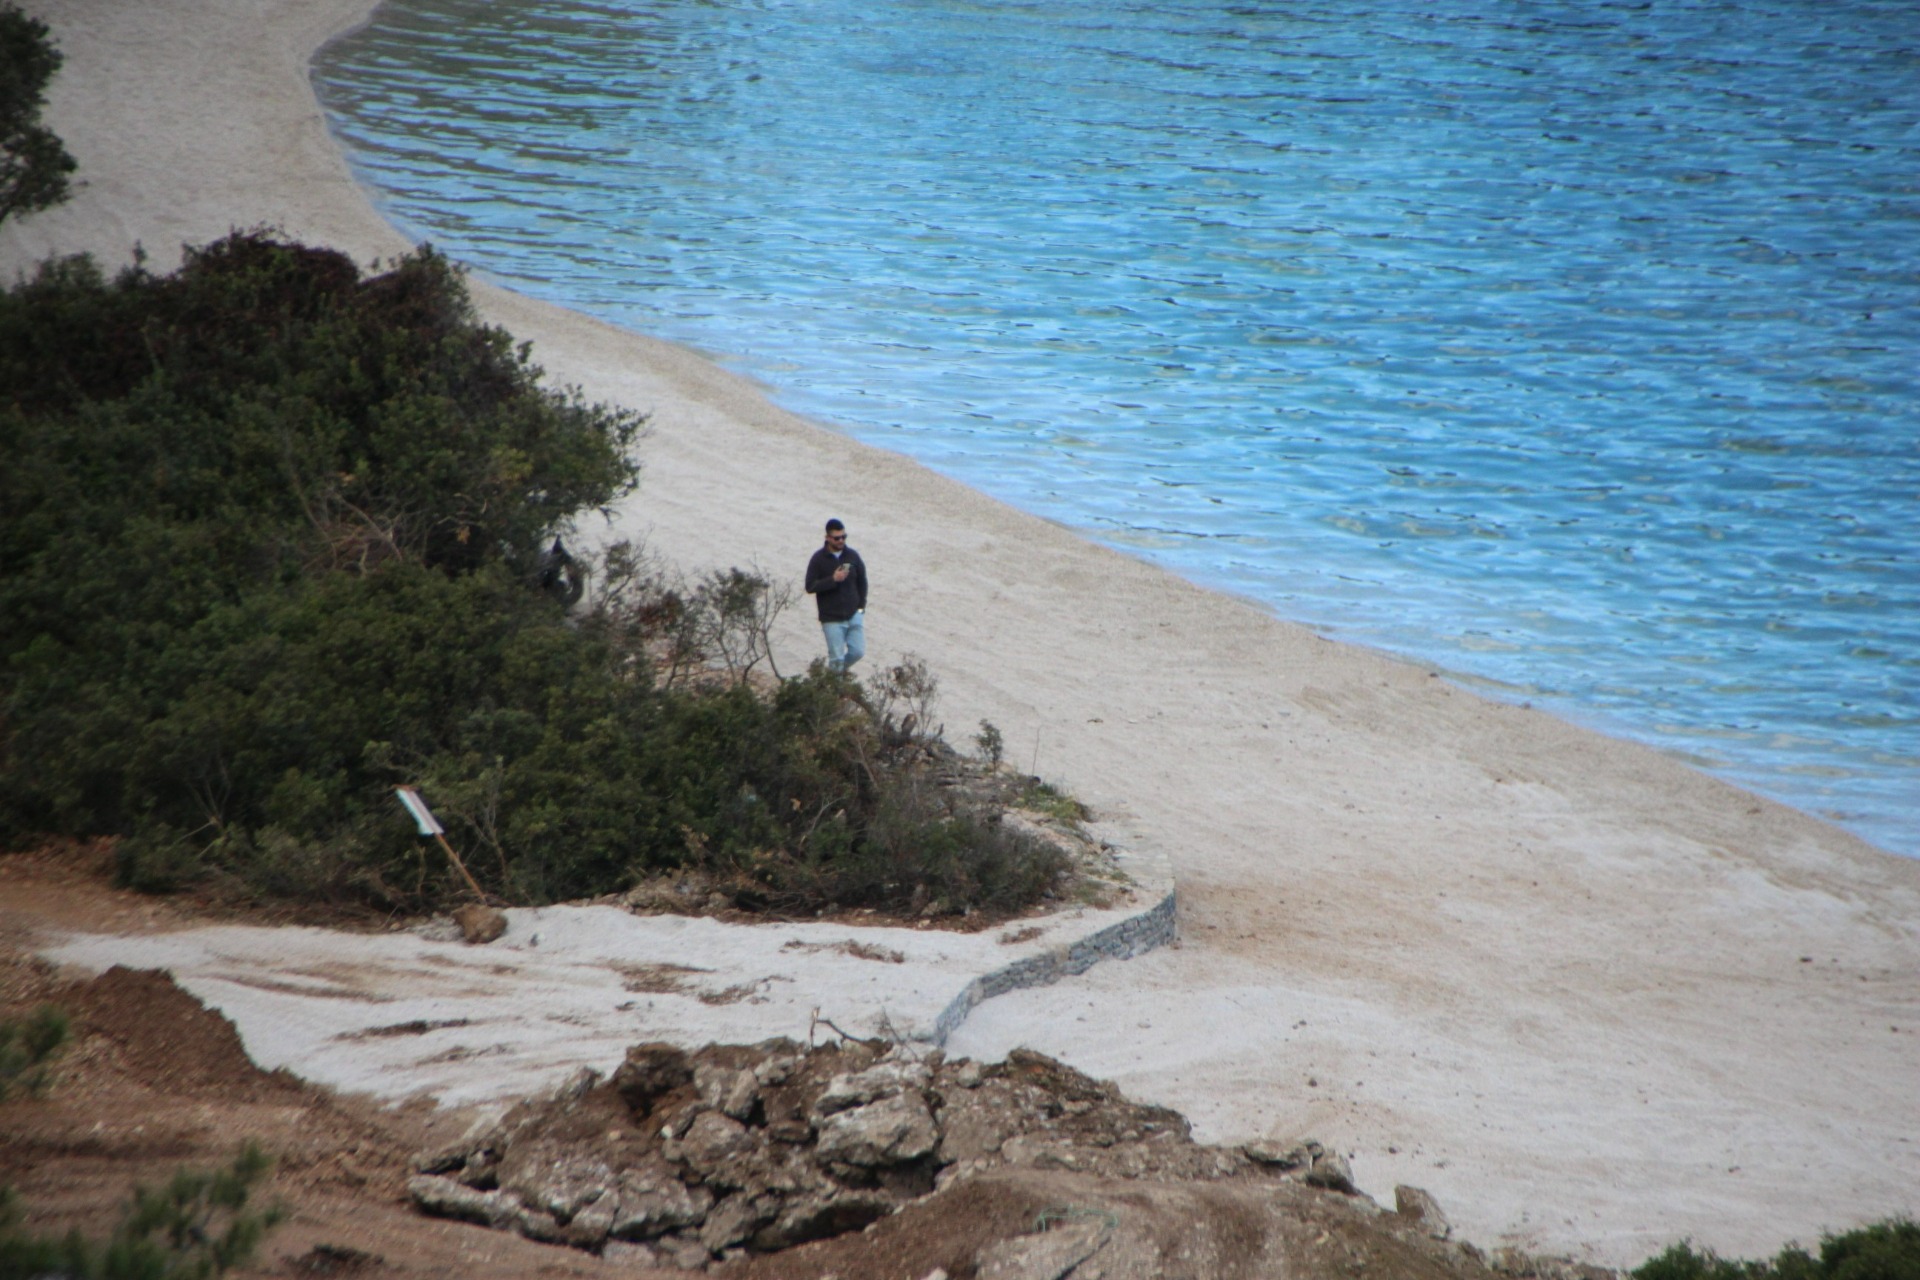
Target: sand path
(1590,998)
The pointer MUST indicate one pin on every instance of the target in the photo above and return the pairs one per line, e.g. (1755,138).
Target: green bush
(25,1046)
(197,1226)
(259,514)
(1888,1250)
(275,538)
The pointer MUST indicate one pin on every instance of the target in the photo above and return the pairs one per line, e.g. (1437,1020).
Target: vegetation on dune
(1887,1250)
(276,536)
(197,1226)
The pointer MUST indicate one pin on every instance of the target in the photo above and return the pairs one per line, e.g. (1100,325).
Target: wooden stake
(472,884)
(430,826)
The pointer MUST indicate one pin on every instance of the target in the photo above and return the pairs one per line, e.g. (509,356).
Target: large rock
(768,1168)
(471,1159)
(778,1069)
(575,1087)
(711,1140)
(1279,1155)
(891,1131)
(480,924)
(1309,1161)
(561,1186)
(589,1227)
(1043,1255)
(445,1198)
(732,1090)
(653,1201)
(882,1080)
(1330,1172)
(735,1218)
(1424,1211)
(974,1134)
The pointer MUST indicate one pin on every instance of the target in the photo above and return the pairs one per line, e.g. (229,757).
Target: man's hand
(840,574)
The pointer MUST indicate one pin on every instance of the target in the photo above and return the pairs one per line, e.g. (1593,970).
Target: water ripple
(1570,347)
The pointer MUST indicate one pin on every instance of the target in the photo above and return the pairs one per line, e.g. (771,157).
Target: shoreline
(1555,978)
(1575,564)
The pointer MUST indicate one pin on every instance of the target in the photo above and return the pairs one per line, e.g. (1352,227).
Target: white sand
(1593,1000)
(399,1015)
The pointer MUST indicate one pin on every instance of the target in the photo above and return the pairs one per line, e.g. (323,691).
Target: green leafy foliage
(1044,797)
(276,537)
(1888,1250)
(991,744)
(261,513)
(25,1046)
(34,164)
(195,1227)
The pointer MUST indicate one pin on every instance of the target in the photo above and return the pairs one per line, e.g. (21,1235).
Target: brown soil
(1173,1230)
(151,1081)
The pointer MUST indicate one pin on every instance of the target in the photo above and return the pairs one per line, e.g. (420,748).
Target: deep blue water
(1574,348)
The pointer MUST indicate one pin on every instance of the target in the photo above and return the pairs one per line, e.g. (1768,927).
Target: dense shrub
(25,1046)
(275,537)
(197,1227)
(1887,1250)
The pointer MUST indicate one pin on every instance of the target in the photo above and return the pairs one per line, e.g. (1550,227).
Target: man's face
(836,539)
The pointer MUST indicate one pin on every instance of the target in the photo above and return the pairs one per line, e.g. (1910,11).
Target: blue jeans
(846,641)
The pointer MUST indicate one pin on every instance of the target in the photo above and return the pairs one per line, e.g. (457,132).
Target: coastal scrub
(279,536)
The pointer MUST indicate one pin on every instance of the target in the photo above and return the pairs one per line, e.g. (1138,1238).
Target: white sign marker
(422,816)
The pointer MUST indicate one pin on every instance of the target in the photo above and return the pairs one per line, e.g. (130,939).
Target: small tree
(993,746)
(25,1046)
(34,163)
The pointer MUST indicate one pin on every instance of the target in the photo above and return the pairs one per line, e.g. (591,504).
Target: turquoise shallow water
(1573,348)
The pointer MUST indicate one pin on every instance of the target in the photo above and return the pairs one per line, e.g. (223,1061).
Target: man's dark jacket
(838,601)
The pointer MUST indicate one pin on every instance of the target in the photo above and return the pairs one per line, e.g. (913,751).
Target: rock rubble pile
(733,1149)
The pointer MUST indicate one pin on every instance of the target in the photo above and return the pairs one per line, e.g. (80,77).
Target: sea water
(1573,348)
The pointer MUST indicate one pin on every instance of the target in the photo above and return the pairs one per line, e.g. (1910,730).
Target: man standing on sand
(837,581)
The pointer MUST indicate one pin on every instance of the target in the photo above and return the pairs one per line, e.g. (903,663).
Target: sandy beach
(1592,999)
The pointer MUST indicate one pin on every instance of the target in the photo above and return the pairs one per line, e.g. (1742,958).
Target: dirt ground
(150,1082)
